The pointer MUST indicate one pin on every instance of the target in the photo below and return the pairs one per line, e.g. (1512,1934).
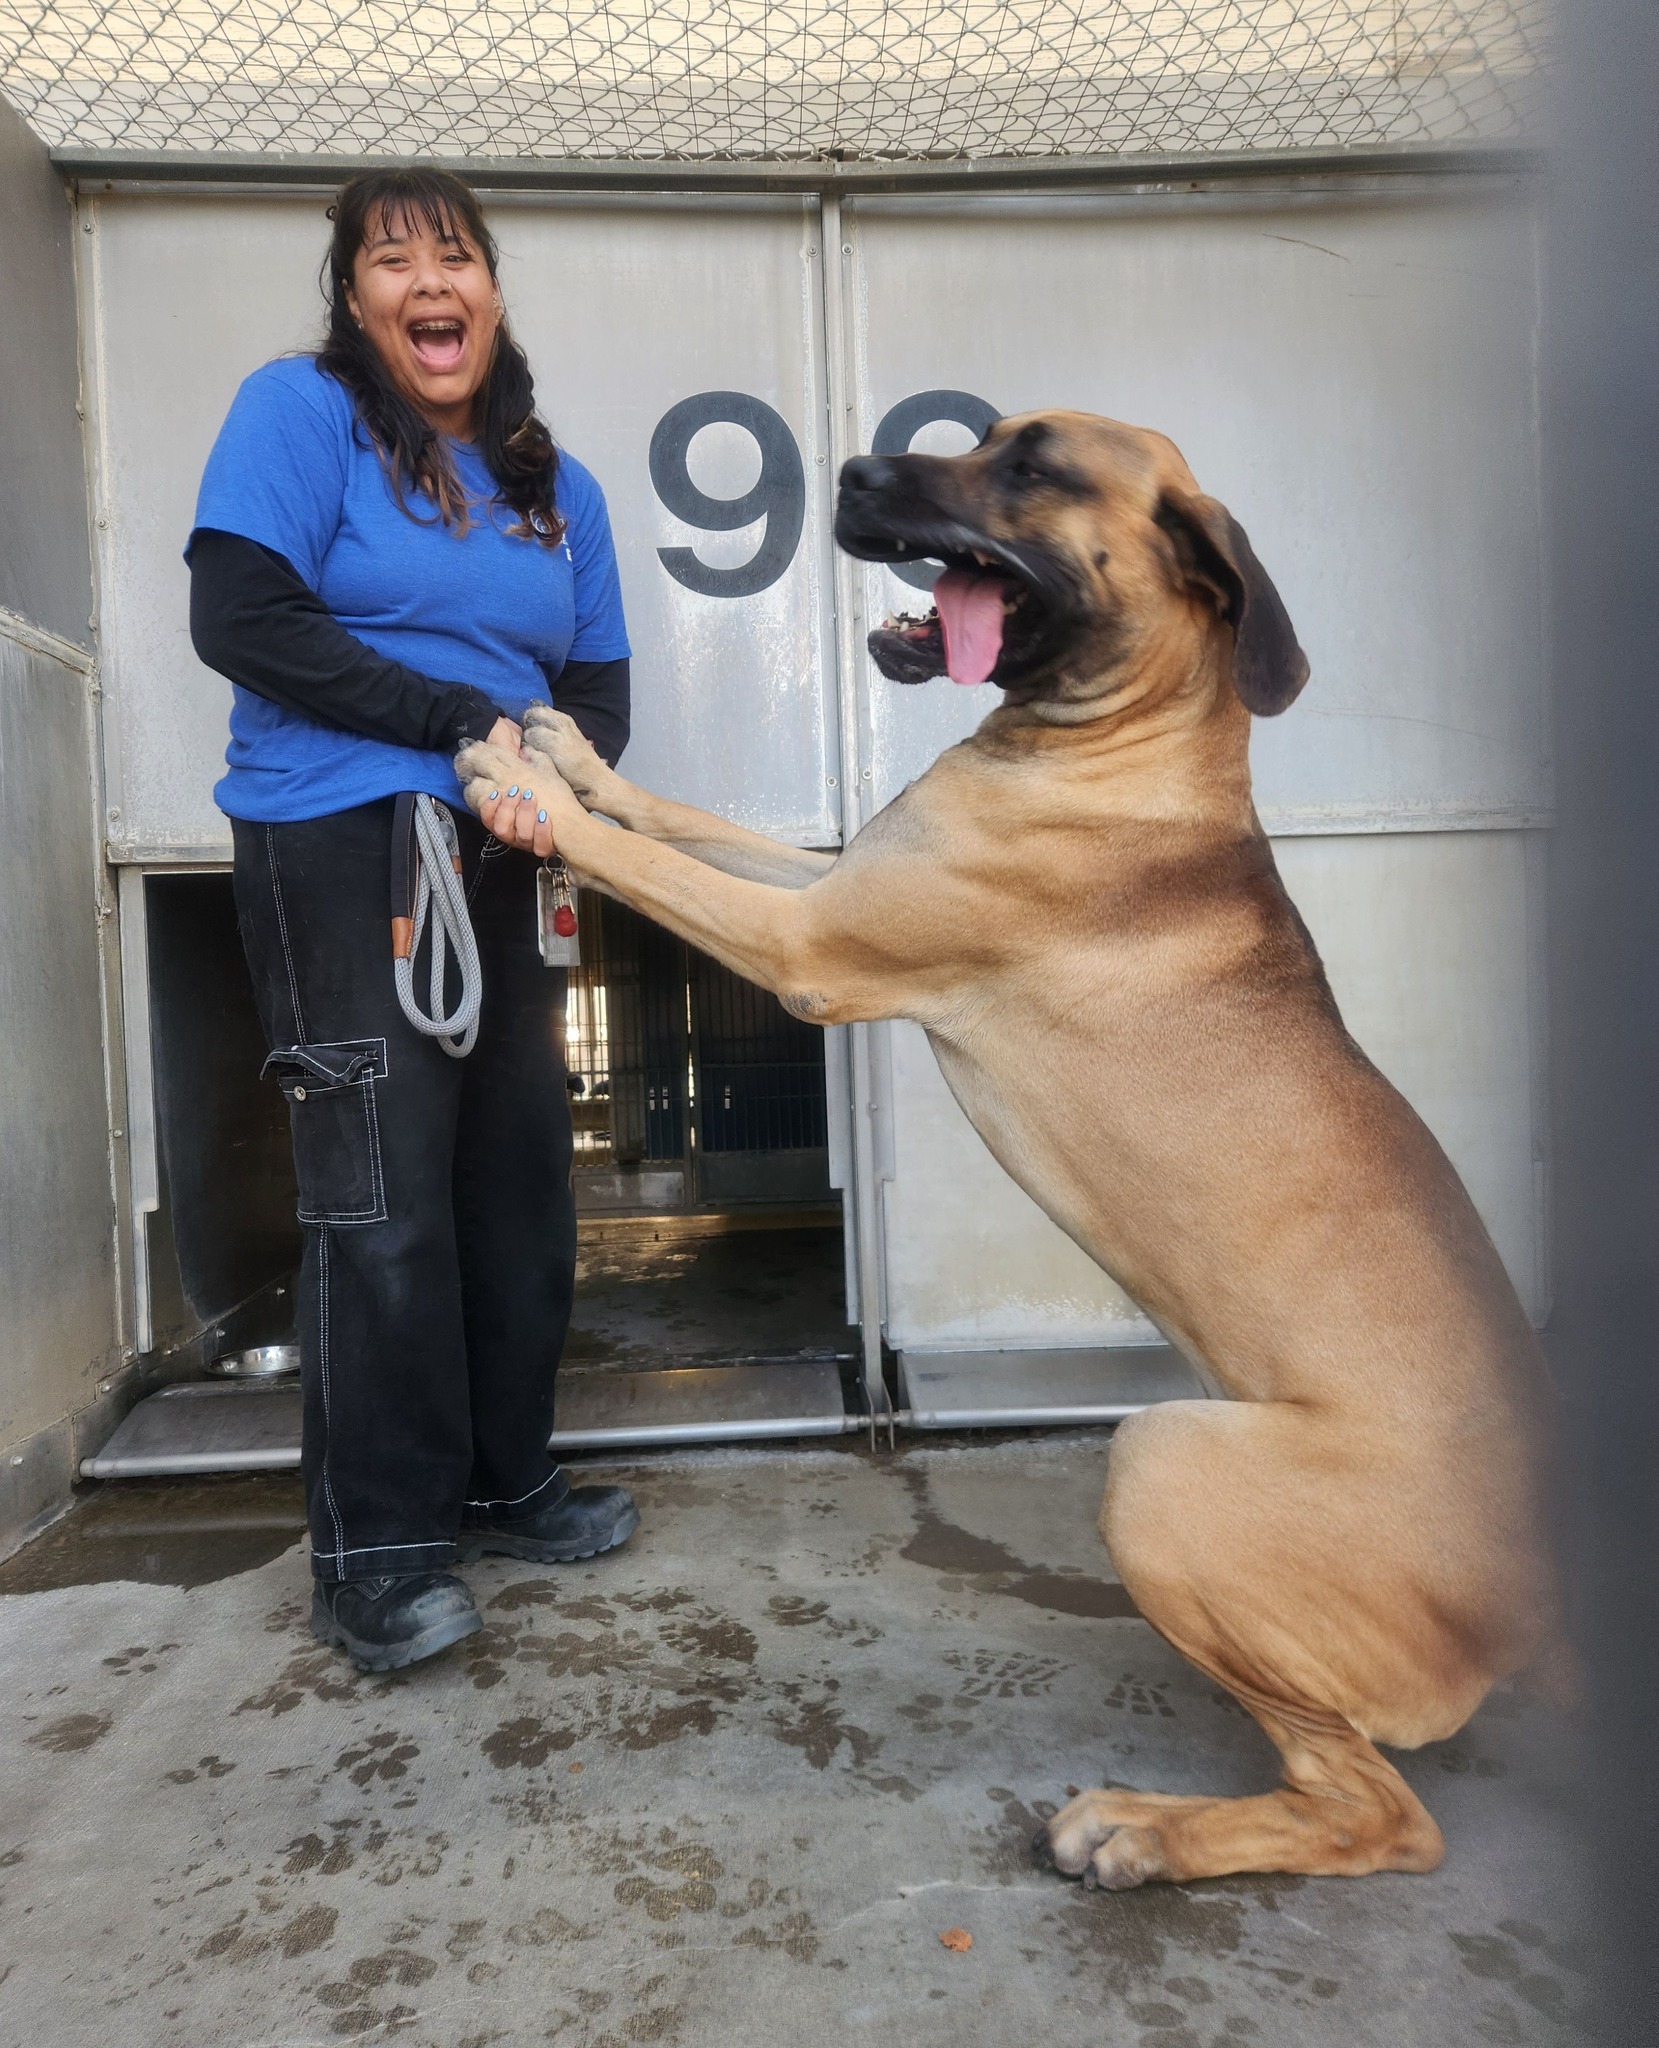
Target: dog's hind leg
(1281,1572)
(1342,1811)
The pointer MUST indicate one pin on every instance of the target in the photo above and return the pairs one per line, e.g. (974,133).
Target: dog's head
(1076,552)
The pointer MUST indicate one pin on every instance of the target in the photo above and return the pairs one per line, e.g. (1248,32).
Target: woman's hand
(520,797)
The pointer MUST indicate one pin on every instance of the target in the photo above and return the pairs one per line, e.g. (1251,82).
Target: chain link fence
(670,80)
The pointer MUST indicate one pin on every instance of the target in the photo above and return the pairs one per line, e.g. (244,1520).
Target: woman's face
(429,305)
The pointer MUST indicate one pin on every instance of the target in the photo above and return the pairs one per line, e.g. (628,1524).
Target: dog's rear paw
(1110,1839)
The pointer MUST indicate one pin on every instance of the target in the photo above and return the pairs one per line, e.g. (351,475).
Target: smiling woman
(390,558)
(418,335)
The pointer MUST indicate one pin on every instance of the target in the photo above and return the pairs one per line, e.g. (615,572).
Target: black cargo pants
(440,1227)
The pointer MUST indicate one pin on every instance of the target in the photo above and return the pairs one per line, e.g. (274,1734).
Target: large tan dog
(1080,908)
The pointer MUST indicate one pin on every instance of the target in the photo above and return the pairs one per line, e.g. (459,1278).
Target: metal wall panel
(45,569)
(1353,375)
(626,311)
(57,1275)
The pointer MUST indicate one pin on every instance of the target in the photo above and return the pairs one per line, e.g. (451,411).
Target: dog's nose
(867,473)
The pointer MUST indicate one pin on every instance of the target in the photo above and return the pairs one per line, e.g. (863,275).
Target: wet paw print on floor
(697,1869)
(244,1941)
(1138,1696)
(310,1852)
(138,1658)
(688,1883)
(385,1755)
(207,1766)
(711,1635)
(351,1998)
(526,1742)
(928,1715)
(1529,1965)
(70,1733)
(650,2020)
(315,1675)
(818,1728)
(388,1857)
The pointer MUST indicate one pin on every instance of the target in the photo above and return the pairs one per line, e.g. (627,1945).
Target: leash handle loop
(426,880)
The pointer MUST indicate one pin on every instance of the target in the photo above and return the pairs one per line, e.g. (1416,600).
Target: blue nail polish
(541,817)
(494,793)
(514,790)
(528,797)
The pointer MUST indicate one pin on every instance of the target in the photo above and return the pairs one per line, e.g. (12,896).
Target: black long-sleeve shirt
(255,621)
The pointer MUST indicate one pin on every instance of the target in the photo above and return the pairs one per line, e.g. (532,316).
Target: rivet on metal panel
(846,248)
(864,774)
(17,1461)
(833,782)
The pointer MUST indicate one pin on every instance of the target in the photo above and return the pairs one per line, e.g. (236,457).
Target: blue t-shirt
(293,469)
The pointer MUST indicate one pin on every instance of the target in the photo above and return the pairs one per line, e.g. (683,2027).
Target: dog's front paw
(486,771)
(484,766)
(557,735)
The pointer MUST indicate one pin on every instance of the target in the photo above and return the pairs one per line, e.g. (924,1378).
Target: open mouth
(976,606)
(1004,609)
(988,620)
(438,343)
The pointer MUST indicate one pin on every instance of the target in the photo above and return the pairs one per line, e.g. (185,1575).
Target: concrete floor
(723,1790)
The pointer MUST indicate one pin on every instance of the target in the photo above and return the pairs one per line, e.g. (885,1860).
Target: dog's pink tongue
(970,614)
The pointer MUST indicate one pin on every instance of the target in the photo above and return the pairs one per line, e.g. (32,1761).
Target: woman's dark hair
(513,440)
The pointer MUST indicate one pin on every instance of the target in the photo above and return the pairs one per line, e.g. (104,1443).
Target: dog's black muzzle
(889,510)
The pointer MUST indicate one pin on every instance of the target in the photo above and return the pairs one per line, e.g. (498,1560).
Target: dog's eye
(1029,471)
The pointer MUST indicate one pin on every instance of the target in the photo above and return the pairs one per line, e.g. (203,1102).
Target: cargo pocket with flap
(331,1110)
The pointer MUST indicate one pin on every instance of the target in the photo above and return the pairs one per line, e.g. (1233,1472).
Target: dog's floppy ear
(1214,555)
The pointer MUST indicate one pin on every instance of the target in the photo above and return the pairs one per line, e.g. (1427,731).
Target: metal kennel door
(1350,368)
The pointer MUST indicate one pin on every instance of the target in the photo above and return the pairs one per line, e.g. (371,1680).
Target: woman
(390,558)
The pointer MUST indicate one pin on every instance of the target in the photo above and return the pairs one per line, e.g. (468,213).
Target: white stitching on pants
(373,1549)
(376,1212)
(374,1143)
(322,1353)
(282,927)
(513,1503)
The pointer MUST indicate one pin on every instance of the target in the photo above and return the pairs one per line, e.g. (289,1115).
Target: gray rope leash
(435,858)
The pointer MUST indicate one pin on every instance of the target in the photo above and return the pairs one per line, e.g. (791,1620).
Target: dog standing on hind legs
(1080,908)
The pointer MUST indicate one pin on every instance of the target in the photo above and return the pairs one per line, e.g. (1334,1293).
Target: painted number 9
(777,496)
(899,428)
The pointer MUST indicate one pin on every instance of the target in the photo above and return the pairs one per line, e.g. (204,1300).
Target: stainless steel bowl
(263,1362)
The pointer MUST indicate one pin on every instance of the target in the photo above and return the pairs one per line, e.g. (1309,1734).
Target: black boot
(386,1623)
(586,1521)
